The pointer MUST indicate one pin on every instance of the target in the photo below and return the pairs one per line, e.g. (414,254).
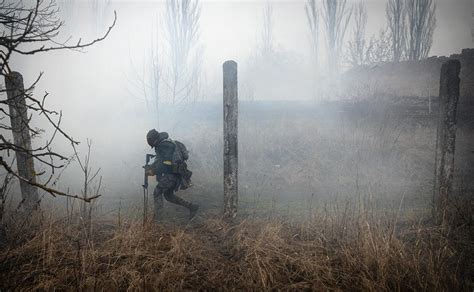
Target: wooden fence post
(446,139)
(230,139)
(21,138)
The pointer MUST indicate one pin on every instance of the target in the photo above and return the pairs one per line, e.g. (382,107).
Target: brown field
(338,249)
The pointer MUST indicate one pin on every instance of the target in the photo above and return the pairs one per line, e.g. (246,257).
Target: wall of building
(411,78)
(421,79)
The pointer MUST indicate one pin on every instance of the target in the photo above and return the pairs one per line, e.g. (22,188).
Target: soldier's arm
(157,164)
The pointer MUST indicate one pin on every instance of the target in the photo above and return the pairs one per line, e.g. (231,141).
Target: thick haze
(229,30)
(99,82)
(94,88)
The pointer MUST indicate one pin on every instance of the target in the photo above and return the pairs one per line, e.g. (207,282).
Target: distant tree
(362,51)
(267,32)
(336,16)
(96,9)
(152,89)
(264,59)
(421,21)
(182,38)
(30,29)
(312,16)
(395,12)
(99,9)
(358,47)
(146,80)
(380,47)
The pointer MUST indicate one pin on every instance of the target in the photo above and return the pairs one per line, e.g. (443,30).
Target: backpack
(179,166)
(182,151)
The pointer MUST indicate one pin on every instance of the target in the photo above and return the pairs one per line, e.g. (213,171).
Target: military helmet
(152,137)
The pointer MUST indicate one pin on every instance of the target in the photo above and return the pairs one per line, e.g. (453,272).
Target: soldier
(170,170)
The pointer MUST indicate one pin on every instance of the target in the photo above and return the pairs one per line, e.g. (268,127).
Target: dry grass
(343,252)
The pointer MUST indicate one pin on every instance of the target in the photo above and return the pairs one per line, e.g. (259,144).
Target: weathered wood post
(21,138)
(230,139)
(446,138)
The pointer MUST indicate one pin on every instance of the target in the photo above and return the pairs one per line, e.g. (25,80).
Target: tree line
(407,34)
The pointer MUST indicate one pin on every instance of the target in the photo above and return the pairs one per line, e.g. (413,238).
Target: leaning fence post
(21,138)
(446,138)
(230,139)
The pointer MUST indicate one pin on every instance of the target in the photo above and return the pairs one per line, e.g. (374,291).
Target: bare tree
(89,176)
(380,47)
(99,9)
(29,29)
(359,49)
(267,32)
(336,16)
(312,16)
(145,80)
(152,89)
(421,21)
(182,37)
(154,76)
(395,12)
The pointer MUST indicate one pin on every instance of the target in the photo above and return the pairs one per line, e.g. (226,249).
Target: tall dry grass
(373,168)
(345,251)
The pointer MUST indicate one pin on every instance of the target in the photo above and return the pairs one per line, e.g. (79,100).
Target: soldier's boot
(193,210)
(171,197)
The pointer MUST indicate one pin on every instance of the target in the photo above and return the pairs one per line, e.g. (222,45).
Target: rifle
(148,157)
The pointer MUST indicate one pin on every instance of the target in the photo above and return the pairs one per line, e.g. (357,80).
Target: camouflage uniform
(168,180)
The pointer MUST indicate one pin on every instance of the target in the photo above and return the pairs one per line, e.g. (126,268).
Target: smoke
(291,148)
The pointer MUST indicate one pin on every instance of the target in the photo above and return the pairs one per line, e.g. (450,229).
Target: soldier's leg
(171,197)
(157,203)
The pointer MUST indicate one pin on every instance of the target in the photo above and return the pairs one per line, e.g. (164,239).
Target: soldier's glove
(149,170)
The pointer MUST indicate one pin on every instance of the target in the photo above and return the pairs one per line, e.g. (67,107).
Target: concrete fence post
(230,139)
(21,138)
